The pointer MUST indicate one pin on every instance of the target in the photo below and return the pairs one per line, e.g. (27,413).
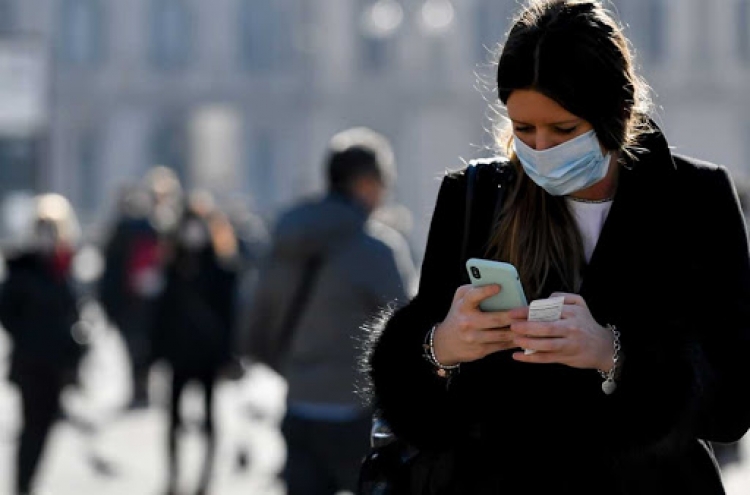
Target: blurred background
(239,98)
(242,95)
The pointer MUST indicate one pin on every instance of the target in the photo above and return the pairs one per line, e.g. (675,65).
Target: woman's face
(194,235)
(46,238)
(540,122)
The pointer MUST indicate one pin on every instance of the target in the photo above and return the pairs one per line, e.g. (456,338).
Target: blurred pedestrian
(646,254)
(132,277)
(193,328)
(39,310)
(253,240)
(400,218)
(330,270)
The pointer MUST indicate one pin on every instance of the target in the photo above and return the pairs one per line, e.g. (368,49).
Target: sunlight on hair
(57,209)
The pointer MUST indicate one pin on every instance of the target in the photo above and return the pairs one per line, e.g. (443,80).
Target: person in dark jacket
(194,318)
(133,279)
(39,310)
(648,250)
(331,268)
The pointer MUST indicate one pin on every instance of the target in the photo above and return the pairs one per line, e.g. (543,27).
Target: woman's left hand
(575,340)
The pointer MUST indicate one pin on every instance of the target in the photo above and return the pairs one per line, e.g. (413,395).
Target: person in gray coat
(331,269)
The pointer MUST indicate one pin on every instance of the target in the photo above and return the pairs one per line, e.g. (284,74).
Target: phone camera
(475,272)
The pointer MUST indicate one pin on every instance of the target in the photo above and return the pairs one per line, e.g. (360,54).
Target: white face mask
(566,168)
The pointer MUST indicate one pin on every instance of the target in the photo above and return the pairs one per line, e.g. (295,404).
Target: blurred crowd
(209,288)
(176,267)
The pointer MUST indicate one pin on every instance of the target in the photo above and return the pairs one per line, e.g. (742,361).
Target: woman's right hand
(468,334)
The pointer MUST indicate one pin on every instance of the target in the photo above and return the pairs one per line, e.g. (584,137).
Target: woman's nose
(543,141)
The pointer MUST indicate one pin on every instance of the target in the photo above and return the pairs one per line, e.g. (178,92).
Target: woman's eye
(566,130)
(523,128)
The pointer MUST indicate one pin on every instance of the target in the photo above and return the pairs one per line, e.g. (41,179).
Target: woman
(648,249)
(194,322)
(39,309)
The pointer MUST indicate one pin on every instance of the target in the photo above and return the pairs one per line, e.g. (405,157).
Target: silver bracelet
(443,370)
(609,385)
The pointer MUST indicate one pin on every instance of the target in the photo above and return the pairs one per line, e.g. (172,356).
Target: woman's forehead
(530,106)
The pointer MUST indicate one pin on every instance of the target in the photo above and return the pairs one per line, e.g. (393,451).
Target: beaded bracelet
(442,370)
(609,385)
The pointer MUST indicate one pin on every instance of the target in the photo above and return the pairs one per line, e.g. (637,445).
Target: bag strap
(471,173)
(298,304)
(504,178)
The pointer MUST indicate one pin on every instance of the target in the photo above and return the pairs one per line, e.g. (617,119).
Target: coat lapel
(635,236)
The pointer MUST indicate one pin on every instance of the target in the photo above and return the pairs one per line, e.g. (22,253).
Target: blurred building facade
(242,95)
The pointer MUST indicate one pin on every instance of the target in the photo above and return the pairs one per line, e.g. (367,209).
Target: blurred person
(193,328)
(132,278)
(330,269)
(165,190)
(646,252)
(39,310)
(250,228)
(399,217)
(253,240)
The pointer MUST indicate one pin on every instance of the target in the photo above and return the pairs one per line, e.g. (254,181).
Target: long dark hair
(574,52)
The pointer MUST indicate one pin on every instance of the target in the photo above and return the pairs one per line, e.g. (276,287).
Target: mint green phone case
(485,272)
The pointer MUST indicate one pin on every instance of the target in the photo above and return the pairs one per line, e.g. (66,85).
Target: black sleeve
(162,323)
(412,399)
(110,285)
(725,324)
(224,300)
(686,378)
(10,304)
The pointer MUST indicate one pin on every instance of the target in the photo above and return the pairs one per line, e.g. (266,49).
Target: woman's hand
(575,340)
(467,333)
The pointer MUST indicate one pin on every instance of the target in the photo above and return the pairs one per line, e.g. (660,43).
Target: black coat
(670,270)
(39,309)
(128,309)
(194,315)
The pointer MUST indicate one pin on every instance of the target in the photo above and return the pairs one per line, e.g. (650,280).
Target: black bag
(387,468)
(393,466)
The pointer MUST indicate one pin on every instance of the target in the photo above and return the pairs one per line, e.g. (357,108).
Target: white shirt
(590,218)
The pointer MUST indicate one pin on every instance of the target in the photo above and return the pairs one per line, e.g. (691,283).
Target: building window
(645,23)
(19,176)
(169,147)
(379,23)
(88,178)
(172,30)
(81,33)
(262,169)
(7,17)
(492,21)
(655,29)
(375,56)
(743,30)
(265,32)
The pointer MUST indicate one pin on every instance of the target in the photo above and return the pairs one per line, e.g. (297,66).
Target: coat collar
(651,152)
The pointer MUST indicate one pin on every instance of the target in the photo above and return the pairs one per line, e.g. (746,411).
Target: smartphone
(485,272)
